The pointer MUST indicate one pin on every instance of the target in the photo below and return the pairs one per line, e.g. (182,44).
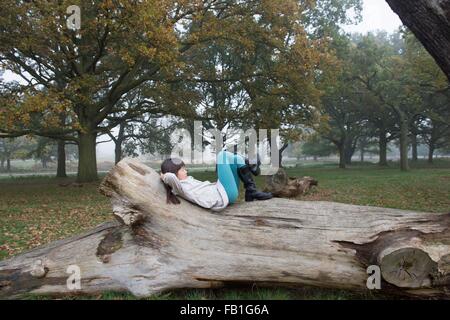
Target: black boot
(254,167)
(251,193)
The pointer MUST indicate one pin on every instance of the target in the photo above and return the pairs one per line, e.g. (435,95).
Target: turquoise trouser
(227,171)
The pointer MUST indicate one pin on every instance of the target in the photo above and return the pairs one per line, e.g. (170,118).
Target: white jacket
(204,193)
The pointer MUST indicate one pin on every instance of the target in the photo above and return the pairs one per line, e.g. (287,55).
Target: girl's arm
(171,179)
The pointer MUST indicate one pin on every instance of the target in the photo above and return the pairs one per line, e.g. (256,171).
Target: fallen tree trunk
(156,246)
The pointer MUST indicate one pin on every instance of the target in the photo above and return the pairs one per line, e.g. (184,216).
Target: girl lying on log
(215,196)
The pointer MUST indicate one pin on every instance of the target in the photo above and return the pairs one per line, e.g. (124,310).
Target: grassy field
(38,210)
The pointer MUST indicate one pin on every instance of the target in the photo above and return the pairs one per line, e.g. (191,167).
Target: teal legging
(227,171)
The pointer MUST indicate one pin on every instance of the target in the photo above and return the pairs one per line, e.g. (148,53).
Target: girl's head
(177,167)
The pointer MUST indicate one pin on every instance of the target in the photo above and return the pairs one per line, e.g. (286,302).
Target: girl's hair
(171,165)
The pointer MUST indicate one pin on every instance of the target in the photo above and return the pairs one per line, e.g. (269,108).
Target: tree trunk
(342,163)
(280,155)
(155,246)
(429,20)
(8,164)
(87,161)
(404,166)
(362,154)
(61,169)
(382,143)
(118,151)
(349,150)
(414,147)
(430,152)
(348,158)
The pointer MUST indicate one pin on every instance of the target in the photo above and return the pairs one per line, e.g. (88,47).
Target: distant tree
(44,150)
(342,105)
(436,133)
(366,57)
(366,144)
(433,122)
(317,147)
(390,78)
(12,148)
(152,136)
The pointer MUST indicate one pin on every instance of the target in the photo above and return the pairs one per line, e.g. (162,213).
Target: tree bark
(154,246)
(349,150)
(430,152)
(404,166)
(342,163)
(118,151)
(348,158)
(382,143)
(280,154)
(414,147)
(8,165)
(61,169)
(87,160)
(429,20)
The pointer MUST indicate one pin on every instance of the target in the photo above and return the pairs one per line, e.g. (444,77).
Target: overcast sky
(376,15)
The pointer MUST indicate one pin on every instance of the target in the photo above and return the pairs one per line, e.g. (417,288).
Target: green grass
(426,189)
(243,293)
(37,210)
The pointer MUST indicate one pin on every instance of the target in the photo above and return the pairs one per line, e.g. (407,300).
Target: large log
(429,20)
(154,246)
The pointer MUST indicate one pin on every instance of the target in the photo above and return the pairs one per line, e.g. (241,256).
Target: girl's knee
(222,157)
(230,159)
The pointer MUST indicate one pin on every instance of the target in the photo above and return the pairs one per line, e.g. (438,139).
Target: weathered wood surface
(154,246)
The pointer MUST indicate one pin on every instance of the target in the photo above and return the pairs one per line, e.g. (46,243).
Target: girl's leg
(227,171)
